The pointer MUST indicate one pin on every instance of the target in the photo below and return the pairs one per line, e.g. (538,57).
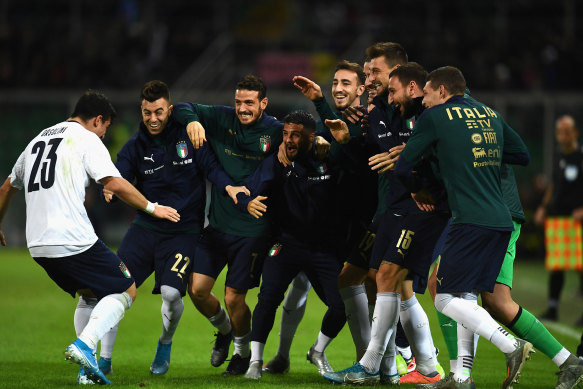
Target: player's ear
(170,108)
(360,90)
(263,103)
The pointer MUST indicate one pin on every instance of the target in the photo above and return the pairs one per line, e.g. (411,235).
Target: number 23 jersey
(54,170)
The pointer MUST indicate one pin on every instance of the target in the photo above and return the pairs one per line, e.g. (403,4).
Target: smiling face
(297,140)
(346,89)
(155,115)
(248,106)
(431,97)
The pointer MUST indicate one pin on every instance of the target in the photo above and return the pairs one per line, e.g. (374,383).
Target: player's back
(54,170)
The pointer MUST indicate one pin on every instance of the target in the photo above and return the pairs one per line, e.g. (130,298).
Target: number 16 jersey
(54,170)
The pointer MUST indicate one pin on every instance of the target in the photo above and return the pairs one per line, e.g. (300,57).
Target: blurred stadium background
(523,58)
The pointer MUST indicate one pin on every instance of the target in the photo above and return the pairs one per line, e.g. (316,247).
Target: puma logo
(151,158)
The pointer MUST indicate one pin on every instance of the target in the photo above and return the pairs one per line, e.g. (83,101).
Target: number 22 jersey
(54,170)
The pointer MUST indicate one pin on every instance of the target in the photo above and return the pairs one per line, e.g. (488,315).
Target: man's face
(431,97)
(297,140)
(379,72)
(565,132)
(155,115)
(398,94)
(100,126)
(248,107)
(346,89)
(370,87)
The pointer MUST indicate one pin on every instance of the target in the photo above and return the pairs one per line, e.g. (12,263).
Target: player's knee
(124,298)
(441,301)
(170,294)
(234,298)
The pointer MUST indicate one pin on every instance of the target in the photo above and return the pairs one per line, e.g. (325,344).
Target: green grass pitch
(37,325)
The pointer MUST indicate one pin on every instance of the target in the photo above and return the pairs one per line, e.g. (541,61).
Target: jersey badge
(124,269)
(182,149)
(322,168)
(410,123)
(265,143)
(275,249)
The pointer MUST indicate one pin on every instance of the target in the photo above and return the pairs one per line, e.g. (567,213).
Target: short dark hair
(251,82)
(301,117)
(411,71)
(92,104)
(353,67)
(450,77)
(393,52)
(154,90)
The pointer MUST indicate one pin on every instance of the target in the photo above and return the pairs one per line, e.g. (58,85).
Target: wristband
(150,208)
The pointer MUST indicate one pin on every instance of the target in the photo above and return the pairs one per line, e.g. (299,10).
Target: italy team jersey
(54,170)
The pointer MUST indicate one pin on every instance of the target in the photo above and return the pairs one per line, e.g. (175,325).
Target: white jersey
(54,171)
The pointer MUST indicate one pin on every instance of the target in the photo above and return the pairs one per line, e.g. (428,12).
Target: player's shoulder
(269,121)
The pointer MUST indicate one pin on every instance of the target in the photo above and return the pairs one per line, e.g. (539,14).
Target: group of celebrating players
(358,205)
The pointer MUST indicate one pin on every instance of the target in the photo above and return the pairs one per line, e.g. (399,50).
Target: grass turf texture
(37,325)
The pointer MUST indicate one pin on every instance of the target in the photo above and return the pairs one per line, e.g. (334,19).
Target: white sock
(106,314)
(405,351)
(465,353)
(107,343)
(385,318)
(241,345)
(357,316)
(322,342)
(83,311)
(172,308)
(292,312)
(257,351)
(561,357)
(416,325)
(389,362)
(452,365)
(476,319)
(221,321)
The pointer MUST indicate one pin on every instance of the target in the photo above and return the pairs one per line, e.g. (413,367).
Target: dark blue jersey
(302,198)
(167,169)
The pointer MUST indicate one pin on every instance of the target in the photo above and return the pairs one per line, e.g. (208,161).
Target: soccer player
(562,199)
(404,243)
(304,200)
(54,169)
(164,165)
(505,310)
(359,184)
(241,137)
(470,141)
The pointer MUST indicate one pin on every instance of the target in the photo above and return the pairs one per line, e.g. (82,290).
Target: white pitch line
(563,329)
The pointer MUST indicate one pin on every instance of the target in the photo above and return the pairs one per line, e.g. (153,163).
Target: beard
(408,108)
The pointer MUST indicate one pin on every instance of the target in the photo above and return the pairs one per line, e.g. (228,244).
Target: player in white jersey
(54,170)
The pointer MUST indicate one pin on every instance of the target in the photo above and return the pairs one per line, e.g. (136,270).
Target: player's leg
(292,312)
(97,271)
(472,259)
(83,311)
(502,307)
(210,260)
(246,256)
(279,269)
(322,270)
(174,255)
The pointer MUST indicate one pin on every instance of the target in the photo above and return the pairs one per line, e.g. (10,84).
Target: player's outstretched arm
(131,196)
(7,191)
(308,88)
(196,133)
(256,208)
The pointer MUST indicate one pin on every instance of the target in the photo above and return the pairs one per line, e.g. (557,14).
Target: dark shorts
(408,241)
(168,255)
(441,241)
(471,258)
(361,253)
(243,257)
(98,269)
